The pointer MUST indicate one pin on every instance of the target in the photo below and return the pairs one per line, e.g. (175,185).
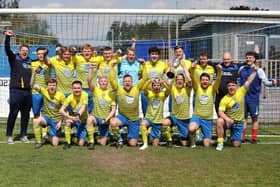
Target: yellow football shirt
(43,76)
(233,105)
(181,102)
(75,103)
(82,67)
(179,69)
(128,102)
(198,70)
(64,73)
(52,104)
(155,106)
(103,100)
(156,70)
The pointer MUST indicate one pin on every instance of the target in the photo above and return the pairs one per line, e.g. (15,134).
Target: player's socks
(90,131)
(37,133)
(220,140)
(116,132)
(254,134)
(44,131)
(167,133)
(67,134)
(144,133)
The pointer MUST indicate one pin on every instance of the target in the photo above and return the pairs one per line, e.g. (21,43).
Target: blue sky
(153,4)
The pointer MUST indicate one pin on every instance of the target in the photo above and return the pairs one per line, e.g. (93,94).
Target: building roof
(202,20)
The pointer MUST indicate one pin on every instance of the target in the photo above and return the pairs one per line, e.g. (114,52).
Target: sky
(150,4)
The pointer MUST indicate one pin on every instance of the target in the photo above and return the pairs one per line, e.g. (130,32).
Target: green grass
(250,165)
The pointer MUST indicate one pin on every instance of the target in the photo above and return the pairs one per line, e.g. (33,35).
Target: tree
(242,7)
(10,4)
(29,28)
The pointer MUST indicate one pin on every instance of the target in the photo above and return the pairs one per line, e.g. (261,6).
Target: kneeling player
(180,115)
(231,112)
(77,102)
(154,116)
(203,110)
(104,106)
(52,100)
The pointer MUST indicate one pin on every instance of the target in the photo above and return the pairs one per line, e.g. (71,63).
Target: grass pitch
(250,165)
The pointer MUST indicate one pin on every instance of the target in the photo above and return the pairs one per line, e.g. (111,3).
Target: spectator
(20,90)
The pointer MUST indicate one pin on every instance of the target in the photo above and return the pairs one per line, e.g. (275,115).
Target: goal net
(214,32)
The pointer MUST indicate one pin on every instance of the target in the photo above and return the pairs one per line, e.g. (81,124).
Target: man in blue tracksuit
(20,90)
(229,72)
(252,97)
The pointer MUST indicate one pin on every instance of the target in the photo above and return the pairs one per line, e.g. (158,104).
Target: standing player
(203,109)
(77,102)
(231,112)
(201,67)
(107,62)
(128,103)
(42,64)
(20,90)
(176,65)
(180,94)
(154,116)
(196,71)
(252,97)
(82,66)
(51,116)
(154,68)
(104,107)
(64,70)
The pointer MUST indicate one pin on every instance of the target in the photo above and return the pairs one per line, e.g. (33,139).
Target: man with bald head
(229,72)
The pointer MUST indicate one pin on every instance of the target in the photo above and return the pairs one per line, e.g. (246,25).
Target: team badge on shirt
(153,74)
(107,70)
(181,71)
(204,99)
(155,103)
(103,102)
(235,107)
(52,105)
(67,73)
(86,67)
(179,99)
(129,99)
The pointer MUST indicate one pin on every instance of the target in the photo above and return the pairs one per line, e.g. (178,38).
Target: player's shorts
(37,103)
(204,124)
(252,109)
(50,122)
(103,129)
(80,130)
(133,126)
(90,100)
(183,125)
(236,132)
(156,128)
